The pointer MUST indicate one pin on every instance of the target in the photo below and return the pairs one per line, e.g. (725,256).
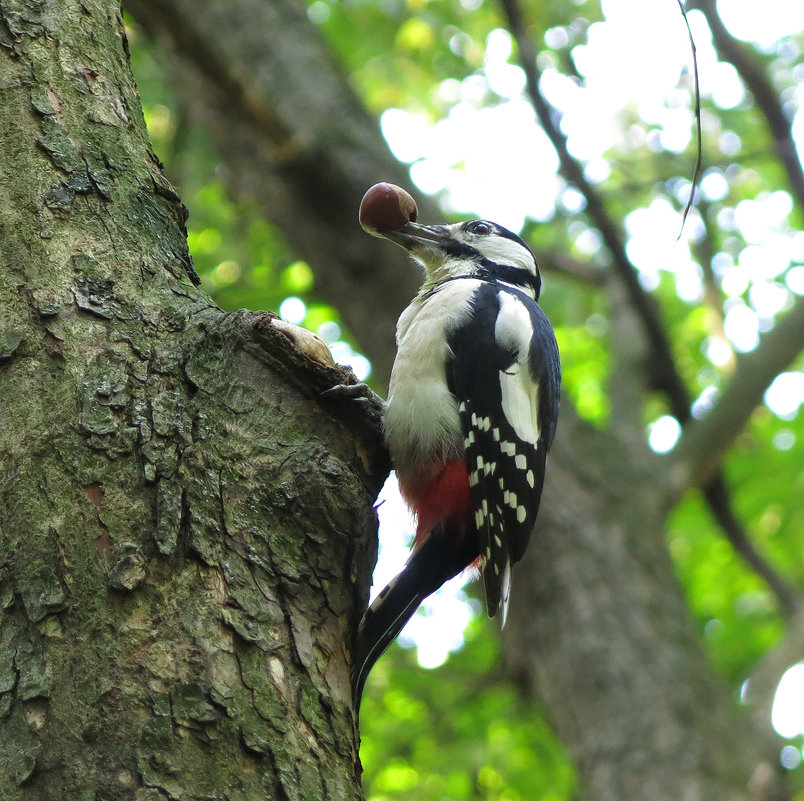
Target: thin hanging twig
(698,128)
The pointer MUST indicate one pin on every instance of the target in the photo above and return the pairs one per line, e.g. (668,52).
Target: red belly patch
(442,496)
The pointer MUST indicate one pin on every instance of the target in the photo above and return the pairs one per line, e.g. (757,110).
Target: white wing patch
(520,396)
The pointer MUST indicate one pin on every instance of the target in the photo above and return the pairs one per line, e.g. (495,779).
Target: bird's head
(473,249)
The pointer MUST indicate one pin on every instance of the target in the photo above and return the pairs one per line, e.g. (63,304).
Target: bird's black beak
(414,236)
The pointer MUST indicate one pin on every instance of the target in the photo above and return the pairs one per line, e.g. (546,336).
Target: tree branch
(704,251)
(704,442)
(765,678)
(666,375)
(699,453)
(565,265)
(717,496)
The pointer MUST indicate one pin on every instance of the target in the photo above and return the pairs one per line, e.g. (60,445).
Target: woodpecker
(470,417)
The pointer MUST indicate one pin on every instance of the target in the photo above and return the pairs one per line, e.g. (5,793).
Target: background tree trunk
(186,531)
(600,634)
(297,139)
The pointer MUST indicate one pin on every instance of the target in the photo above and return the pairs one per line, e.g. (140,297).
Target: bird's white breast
(421,418)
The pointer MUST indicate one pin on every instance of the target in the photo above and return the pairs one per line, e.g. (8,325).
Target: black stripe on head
(487,269)
(452,247)
(518,276)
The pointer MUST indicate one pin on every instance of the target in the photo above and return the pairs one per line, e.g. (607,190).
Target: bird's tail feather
(429,566)
(378,629)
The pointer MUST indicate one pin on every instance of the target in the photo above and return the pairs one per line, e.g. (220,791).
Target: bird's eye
(479,227)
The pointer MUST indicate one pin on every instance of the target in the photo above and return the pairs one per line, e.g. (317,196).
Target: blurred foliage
(463,731)
(473,737)
(242,259)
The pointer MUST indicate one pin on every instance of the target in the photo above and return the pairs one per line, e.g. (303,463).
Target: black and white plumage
(471,414)
(504,374)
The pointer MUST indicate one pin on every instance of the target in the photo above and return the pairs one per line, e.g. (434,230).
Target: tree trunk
(186,529)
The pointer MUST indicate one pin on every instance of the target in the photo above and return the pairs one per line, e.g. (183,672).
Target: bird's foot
(369,401)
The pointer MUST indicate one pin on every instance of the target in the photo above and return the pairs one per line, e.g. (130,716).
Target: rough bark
(706,441)
(185,527)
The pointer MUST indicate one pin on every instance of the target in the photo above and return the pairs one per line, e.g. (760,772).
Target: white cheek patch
(505,251)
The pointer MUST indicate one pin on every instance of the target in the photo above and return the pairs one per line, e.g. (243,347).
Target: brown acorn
(386,207)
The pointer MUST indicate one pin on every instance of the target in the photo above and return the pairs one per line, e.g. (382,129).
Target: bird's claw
(359,391)
(372,404)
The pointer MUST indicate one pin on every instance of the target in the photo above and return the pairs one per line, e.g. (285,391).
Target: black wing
(505,375)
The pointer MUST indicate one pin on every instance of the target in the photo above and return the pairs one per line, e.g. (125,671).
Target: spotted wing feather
(489,517)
